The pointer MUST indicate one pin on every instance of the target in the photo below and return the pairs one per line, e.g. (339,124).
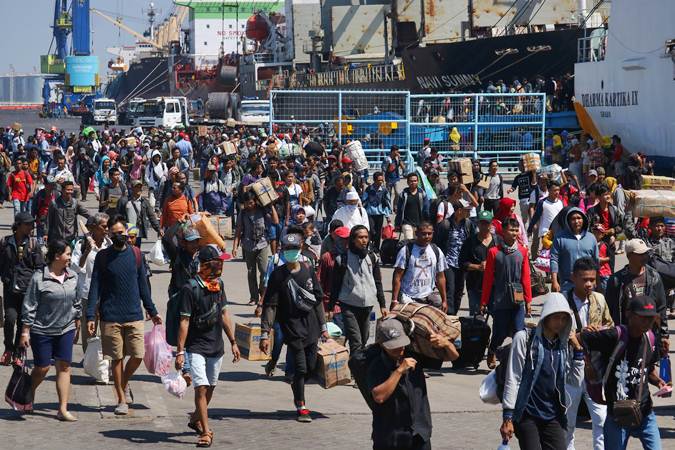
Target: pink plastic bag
(175,384)
(158,356)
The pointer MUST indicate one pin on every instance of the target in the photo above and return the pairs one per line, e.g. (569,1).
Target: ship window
(208,26)
(206,43)
(230,26)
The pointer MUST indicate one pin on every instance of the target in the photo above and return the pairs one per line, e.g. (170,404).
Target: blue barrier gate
(483,126)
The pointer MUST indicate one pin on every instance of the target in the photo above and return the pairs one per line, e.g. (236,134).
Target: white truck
(255,112)
(166,112)
(103,111)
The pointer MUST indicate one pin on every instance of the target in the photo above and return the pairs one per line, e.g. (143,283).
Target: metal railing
(481,126)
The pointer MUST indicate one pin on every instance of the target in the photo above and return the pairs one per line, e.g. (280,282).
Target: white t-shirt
(542,195)
(420,280)
(582,307)
(550,210)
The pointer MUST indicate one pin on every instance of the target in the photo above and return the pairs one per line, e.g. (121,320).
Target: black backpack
(408,252)
(359,363)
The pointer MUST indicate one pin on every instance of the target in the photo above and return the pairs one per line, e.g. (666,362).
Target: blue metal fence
(483,126)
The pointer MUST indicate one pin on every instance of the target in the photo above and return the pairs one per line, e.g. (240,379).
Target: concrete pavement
(249,410)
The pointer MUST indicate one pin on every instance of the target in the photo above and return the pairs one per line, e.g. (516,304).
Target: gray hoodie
(567,248)
(523,369)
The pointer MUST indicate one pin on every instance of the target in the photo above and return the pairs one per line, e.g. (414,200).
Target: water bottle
(504,446)
(373,326)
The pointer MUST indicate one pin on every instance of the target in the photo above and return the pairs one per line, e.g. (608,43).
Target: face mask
(292,255)
(118,240)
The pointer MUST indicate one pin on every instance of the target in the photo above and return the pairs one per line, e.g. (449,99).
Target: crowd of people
(314,245)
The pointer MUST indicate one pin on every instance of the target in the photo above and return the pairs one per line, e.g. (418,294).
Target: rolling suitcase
(475,339)
(388,250)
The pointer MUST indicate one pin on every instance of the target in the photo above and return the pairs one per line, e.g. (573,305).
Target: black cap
(209,253)
(643,306)
(23,217)
(291,240)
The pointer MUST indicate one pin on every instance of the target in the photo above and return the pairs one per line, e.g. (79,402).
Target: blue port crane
(72,79)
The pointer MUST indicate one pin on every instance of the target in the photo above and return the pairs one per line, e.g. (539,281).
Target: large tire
(218,105)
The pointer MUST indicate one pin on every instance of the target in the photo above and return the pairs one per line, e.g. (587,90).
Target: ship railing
(483,126)
(593,47)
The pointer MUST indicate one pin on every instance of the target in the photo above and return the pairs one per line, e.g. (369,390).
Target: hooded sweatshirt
(156,174)
(528,382)
(567,248)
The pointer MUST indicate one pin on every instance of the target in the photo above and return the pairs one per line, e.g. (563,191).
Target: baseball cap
(351,195)
(592,173)
(600,170)
(23,217)
(346,160)
(342,232)
(209,253)
(390,334)
(643,306)
(291,240)
(485,216)
(636,246)
(191,234)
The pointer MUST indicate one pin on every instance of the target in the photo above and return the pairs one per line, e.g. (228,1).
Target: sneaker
(304,415)
(122,409)
(6,359)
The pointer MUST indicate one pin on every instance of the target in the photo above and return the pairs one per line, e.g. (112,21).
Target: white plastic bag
(175,384)
(158,356)
(488,389)
(157,254)
(94,364)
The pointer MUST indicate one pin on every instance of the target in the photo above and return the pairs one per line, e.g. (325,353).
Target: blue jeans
(648,433)
(505,323)
(602,284)
(474,301)
(19,206)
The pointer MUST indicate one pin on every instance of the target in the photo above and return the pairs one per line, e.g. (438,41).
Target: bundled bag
(157,255)
(19,392)
(158,356)
(423,320)
(538,282)
(94,364)
(488,389)
(175,384)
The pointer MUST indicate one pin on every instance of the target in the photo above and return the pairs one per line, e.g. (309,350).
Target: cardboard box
(464,167)
(229,148)
(332,365)
(264,190)
(484,182)
(531,161)
(247,337)
(658,183)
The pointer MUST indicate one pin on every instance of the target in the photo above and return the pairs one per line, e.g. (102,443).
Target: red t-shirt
(604,216)
(618,152)
(20,183)
(605,270)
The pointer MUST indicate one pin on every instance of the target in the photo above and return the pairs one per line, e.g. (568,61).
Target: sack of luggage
(423,320)
(665,269)
(475,339)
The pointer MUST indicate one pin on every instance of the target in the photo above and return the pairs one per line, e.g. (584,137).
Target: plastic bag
(175,384)
(488,389)
(157,254)
(158,356)
(94,364)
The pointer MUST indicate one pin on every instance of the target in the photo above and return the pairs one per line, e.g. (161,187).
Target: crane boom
(122,26)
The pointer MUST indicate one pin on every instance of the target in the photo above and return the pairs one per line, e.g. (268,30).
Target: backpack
(503,354)
(359,362)
(433,209)
(408,251)
(16,281)
(538,282)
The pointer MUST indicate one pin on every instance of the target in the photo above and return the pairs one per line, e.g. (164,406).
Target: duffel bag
(423,320)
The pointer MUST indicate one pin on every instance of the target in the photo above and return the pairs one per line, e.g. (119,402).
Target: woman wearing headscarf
(506,209)
(101,177)
(357,282)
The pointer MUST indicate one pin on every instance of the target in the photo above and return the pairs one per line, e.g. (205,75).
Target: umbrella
(87,131)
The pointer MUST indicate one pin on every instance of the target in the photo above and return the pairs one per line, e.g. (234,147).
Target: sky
(22,49)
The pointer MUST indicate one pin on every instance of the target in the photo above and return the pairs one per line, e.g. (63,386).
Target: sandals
(196,426)
(205,440)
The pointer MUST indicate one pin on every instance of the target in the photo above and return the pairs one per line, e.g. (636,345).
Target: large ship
(625,78)
(423,46)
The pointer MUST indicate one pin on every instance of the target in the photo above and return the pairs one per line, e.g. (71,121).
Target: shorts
(45,348)
(204,369)
(122,339)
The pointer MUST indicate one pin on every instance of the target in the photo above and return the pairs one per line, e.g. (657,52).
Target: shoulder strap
(575,310)
(620,347)
(137,255)
(408,254)
(437,252)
